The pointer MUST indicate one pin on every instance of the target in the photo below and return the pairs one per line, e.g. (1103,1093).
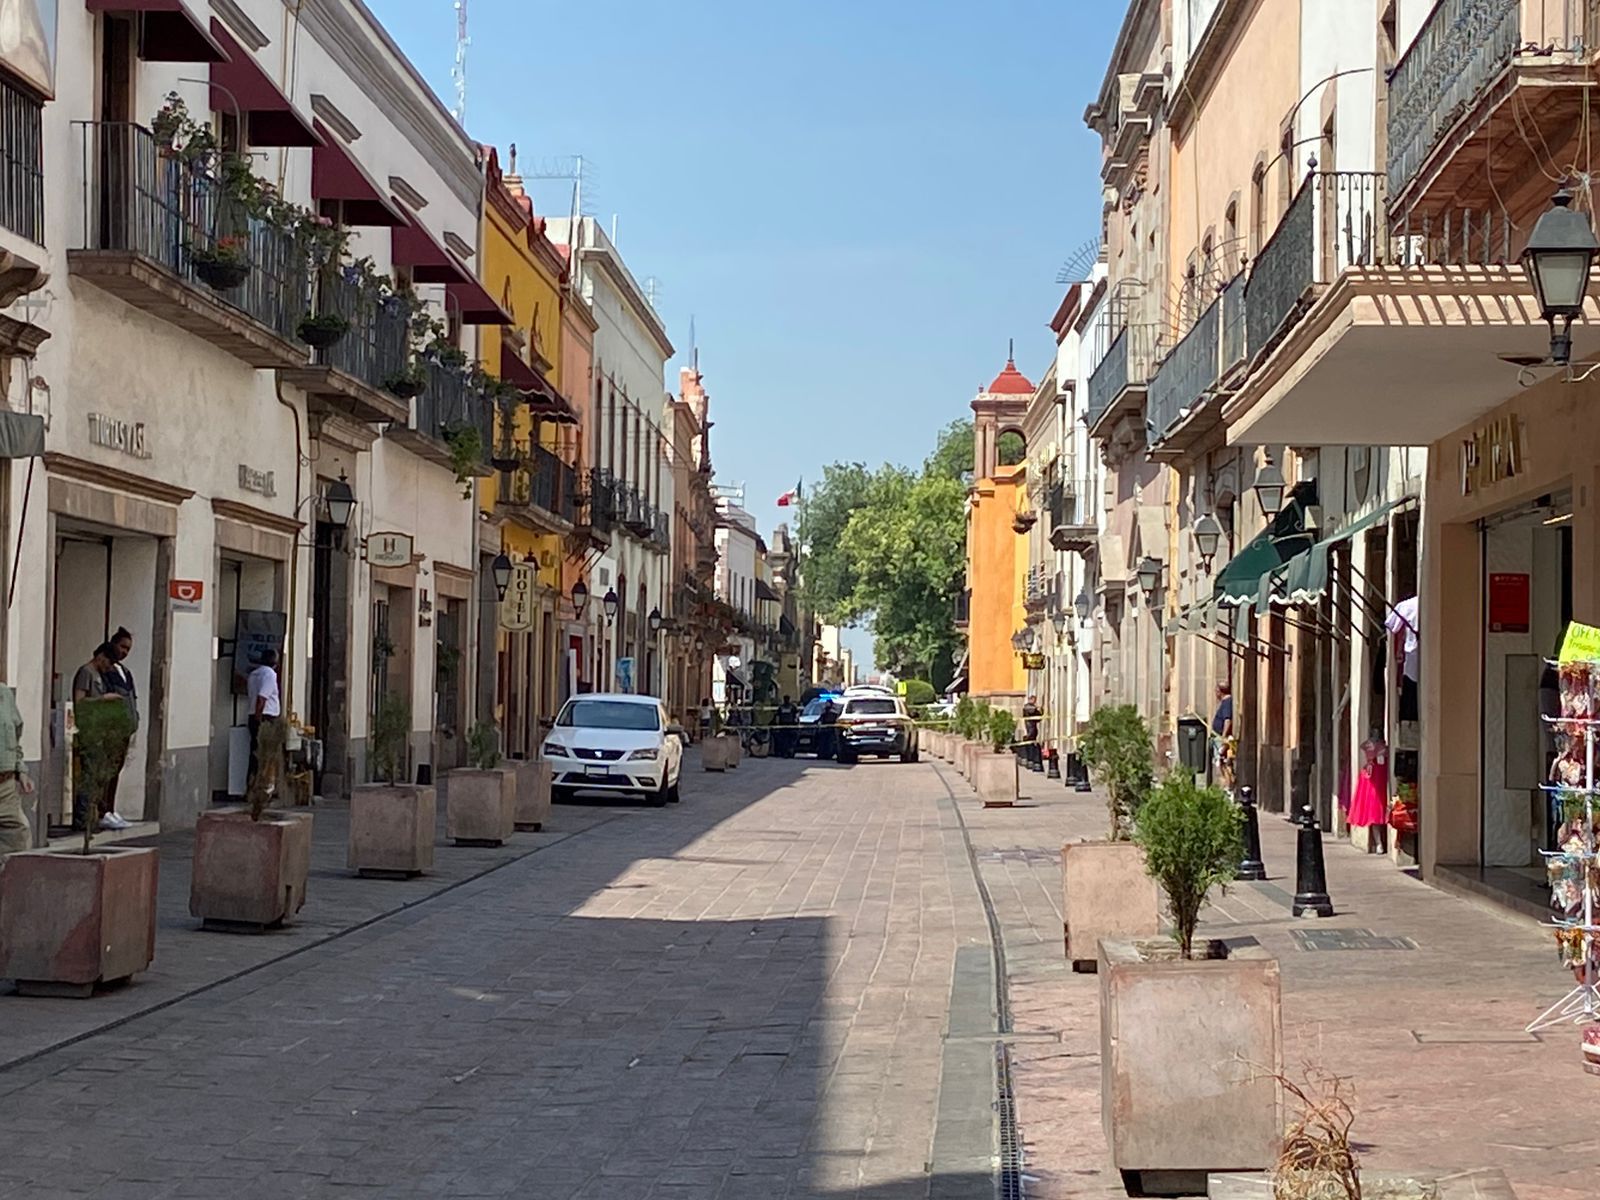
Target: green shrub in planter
(1192,839)
(1116,746)
(1002,728)
(105,727)
(483,746)
(391,733)
(966,718)
(919,693)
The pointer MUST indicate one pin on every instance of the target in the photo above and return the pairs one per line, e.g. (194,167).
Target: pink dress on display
(1370,804)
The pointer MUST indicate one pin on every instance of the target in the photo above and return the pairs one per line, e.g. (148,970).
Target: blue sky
(857,201)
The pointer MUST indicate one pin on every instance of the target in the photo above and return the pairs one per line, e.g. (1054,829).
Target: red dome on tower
(1011,382)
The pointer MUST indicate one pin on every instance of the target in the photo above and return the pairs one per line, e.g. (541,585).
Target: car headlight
(648,754)
(553,750)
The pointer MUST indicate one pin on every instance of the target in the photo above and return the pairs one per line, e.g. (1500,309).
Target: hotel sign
(1491,455)
(122,436)
(516,610)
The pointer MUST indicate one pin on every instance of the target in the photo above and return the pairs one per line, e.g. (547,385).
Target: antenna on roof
(459,71)
(694,346)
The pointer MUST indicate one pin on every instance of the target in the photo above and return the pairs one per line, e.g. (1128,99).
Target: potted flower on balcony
(224,265)
(407,383)
(324,244)
(1024,521)
(99,924)
(321,330)
(465,444)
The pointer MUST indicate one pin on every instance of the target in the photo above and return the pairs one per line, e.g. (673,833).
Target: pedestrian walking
(708,718)
(16,834)
(266,731)
(1222,736)
(90,686)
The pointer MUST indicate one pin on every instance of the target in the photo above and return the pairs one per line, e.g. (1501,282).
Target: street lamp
(500,569)
(1557,259)
(1084,605)
(1149,576)
(609,603)
(1207,537)
(341,502)
(1020,641)
(1270,486)
(655,620)
(580,597)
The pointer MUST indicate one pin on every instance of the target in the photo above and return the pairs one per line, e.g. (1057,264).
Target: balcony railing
(1126,365)
(375,349)
(1283,271)
(21,163)
(449,401)
(1186,374)
(1460,49)
(140,200)
(1234,339)
(604,500)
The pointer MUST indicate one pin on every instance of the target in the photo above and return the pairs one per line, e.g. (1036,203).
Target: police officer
(787,719)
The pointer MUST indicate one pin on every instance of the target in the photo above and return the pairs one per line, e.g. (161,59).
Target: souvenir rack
(1582,1004)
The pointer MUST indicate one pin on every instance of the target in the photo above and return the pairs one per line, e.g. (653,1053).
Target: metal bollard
(1053,765)
(1251,866)
(1311,878)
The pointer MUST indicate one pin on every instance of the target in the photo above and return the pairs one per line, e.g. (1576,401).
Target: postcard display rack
(1574,865)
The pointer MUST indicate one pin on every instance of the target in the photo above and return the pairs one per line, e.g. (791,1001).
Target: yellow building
(997,559)
(532,500)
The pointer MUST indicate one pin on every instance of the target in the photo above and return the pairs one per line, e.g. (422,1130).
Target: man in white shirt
(266,731)
(1402,625)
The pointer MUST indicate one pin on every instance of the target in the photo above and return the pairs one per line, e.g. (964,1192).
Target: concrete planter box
(1188,1051)
(925,741)
(1105,894)
(1484,1184)
(392,829)
(480,807)
(249,875)
(942,747)
(964,750)
(71,921)
(714,754)
(533,794)
(994,778)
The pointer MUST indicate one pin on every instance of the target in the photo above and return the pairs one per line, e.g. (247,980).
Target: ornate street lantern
(1207,537)
(341,502)
(1270,486)
(500,570)
(1560,251)
(655,620)
(1149,576)
(580,597)
(610,603)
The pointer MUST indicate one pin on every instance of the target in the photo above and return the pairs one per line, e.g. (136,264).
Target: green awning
(1239,581)
(1304,578)
(21,435)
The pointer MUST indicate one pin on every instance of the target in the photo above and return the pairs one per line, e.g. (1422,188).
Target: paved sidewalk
(1432,1036)
(337,901)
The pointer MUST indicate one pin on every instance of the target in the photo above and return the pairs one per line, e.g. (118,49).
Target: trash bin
(1192,744)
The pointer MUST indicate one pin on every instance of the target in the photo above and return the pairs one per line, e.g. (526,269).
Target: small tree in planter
(392,822)
(100,923)
(1192,839)
(1002,729)
(1116,745)
(481,800)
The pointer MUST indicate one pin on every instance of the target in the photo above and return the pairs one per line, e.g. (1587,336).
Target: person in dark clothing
(1032,753)
(788,717)
(828,730)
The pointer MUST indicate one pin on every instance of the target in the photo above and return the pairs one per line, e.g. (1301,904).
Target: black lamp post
(1149,576)
(341,502)
(500,570)
(1560,251)
(1270,486)
(655,620)
(1084,606)
(1207,537)
(580,597)
(609,603)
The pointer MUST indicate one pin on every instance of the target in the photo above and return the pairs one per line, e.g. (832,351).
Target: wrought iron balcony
(604,500)
(21,163)
(150,221)
(1040,588)
(450,403)
(546,484)
(353,376)
(1234,337)
(1118,383)
(1186,375)
(1075,522)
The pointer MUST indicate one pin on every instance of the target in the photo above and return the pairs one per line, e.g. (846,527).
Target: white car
(614,743)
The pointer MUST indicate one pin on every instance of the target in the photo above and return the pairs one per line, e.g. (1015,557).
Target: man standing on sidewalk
(16,834)
(266,730)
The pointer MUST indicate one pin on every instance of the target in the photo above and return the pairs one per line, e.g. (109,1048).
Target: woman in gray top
(90,686)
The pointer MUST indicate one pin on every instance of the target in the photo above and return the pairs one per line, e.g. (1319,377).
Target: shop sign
(186,595)
(1491,455)
(122,436)
(389,550)
(1581,644)
(1033,662)
(262,483)
(1509,602)
(516,610)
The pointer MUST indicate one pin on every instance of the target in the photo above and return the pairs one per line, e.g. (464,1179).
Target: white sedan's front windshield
(609,714)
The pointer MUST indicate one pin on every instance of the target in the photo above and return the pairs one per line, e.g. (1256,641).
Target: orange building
(997,558)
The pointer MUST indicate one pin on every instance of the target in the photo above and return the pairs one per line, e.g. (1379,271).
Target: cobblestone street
(741,996)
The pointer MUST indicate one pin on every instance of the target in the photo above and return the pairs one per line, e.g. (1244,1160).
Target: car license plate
(598,772)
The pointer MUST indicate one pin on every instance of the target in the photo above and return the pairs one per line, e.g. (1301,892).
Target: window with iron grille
(21,162)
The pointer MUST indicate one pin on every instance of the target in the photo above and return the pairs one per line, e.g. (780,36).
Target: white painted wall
(1336,36)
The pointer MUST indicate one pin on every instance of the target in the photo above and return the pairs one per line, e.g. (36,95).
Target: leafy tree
(1192,841)
(1011,449)
(1116,746)
(887,547)
(920,693)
